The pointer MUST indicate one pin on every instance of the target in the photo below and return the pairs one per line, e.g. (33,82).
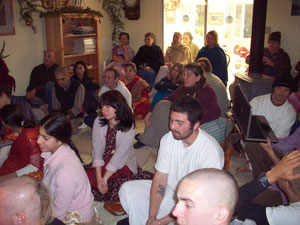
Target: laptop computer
(254,128)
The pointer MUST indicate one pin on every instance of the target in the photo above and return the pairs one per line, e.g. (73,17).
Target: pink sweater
(67,183)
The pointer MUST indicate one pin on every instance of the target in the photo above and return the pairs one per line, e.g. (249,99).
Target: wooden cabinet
(60,39)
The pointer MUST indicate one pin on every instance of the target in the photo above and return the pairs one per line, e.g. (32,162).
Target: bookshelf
(60,39)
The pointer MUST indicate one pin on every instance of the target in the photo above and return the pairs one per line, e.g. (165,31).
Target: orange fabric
(139,90)
(22,149)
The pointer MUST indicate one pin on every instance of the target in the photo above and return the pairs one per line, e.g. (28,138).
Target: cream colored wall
(26,48)
(279,19)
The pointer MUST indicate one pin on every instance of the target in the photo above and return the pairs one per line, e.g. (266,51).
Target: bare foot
(244,167)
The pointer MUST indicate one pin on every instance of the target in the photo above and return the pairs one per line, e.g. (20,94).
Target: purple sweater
(208,101)
(288,144)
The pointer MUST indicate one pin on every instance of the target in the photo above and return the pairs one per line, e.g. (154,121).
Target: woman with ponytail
(64,175)
(24,155)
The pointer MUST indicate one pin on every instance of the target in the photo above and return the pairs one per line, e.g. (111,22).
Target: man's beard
(182,137)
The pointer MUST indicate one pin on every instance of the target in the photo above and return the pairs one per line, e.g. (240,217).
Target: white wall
(279,19)
(25,49)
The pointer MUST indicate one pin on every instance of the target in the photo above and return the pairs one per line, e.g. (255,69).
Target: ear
(221,215)
(59,142)
(19,218)
(196,125)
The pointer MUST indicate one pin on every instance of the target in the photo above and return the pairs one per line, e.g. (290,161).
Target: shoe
(123,222)
(138,145)
(137,136)
(114,208)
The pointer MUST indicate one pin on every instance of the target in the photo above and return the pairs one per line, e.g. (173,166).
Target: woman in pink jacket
(64,175)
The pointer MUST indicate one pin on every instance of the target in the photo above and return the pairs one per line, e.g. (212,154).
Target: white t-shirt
(280,215)
(177,160)
(121,88)
(281,118)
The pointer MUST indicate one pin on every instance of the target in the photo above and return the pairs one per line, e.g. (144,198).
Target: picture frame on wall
(295,8)
(170,17)
(7,22)
(216,19)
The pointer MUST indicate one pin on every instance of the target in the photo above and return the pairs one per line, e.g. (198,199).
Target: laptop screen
(242,110)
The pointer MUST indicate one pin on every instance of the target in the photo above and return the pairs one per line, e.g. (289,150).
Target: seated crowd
(183,100)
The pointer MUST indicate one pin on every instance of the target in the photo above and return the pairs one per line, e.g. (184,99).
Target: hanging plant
(70,9)
(50,7)
(113,9)
(27,7)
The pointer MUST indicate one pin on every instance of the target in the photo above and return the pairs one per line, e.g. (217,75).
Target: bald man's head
(49,58)
(206,196)
(24,201)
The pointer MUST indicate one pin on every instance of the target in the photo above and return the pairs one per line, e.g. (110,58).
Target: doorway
(232,19)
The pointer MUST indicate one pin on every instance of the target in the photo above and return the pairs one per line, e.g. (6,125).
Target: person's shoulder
(205,137)
(54,66)
(207,88)
(38,67)
(207,142)
(218,49)
(281,50)
(122,87)
(289,107)
(261,98)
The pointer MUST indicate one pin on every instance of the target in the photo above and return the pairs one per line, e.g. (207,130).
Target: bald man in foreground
(24,201)
(206,197)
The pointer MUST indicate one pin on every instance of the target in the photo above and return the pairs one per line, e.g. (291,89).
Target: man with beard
(183,149)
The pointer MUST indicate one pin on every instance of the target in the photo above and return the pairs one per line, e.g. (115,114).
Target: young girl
(64,175)
(168,84)
(24,151)
(113,157)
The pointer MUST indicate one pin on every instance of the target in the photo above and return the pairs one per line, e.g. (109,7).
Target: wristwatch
(263,179)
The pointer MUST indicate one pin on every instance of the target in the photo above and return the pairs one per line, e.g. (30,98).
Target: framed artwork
(170,17)
(295,8)
(216,18)
(7,22)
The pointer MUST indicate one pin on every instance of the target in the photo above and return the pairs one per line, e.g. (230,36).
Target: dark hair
(132,65)
(196,69)
(5,89)
(150,34)
(12,115)
(59,127)
(284,80)
(190,106)
(80,63)
(124,113)
(126,34)
(114,70)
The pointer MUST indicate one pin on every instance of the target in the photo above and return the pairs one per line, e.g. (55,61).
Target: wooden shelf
(60,40)
(79,55)
(79,35)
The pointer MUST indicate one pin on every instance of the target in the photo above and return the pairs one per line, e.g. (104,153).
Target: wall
(25,49)
(279,19)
